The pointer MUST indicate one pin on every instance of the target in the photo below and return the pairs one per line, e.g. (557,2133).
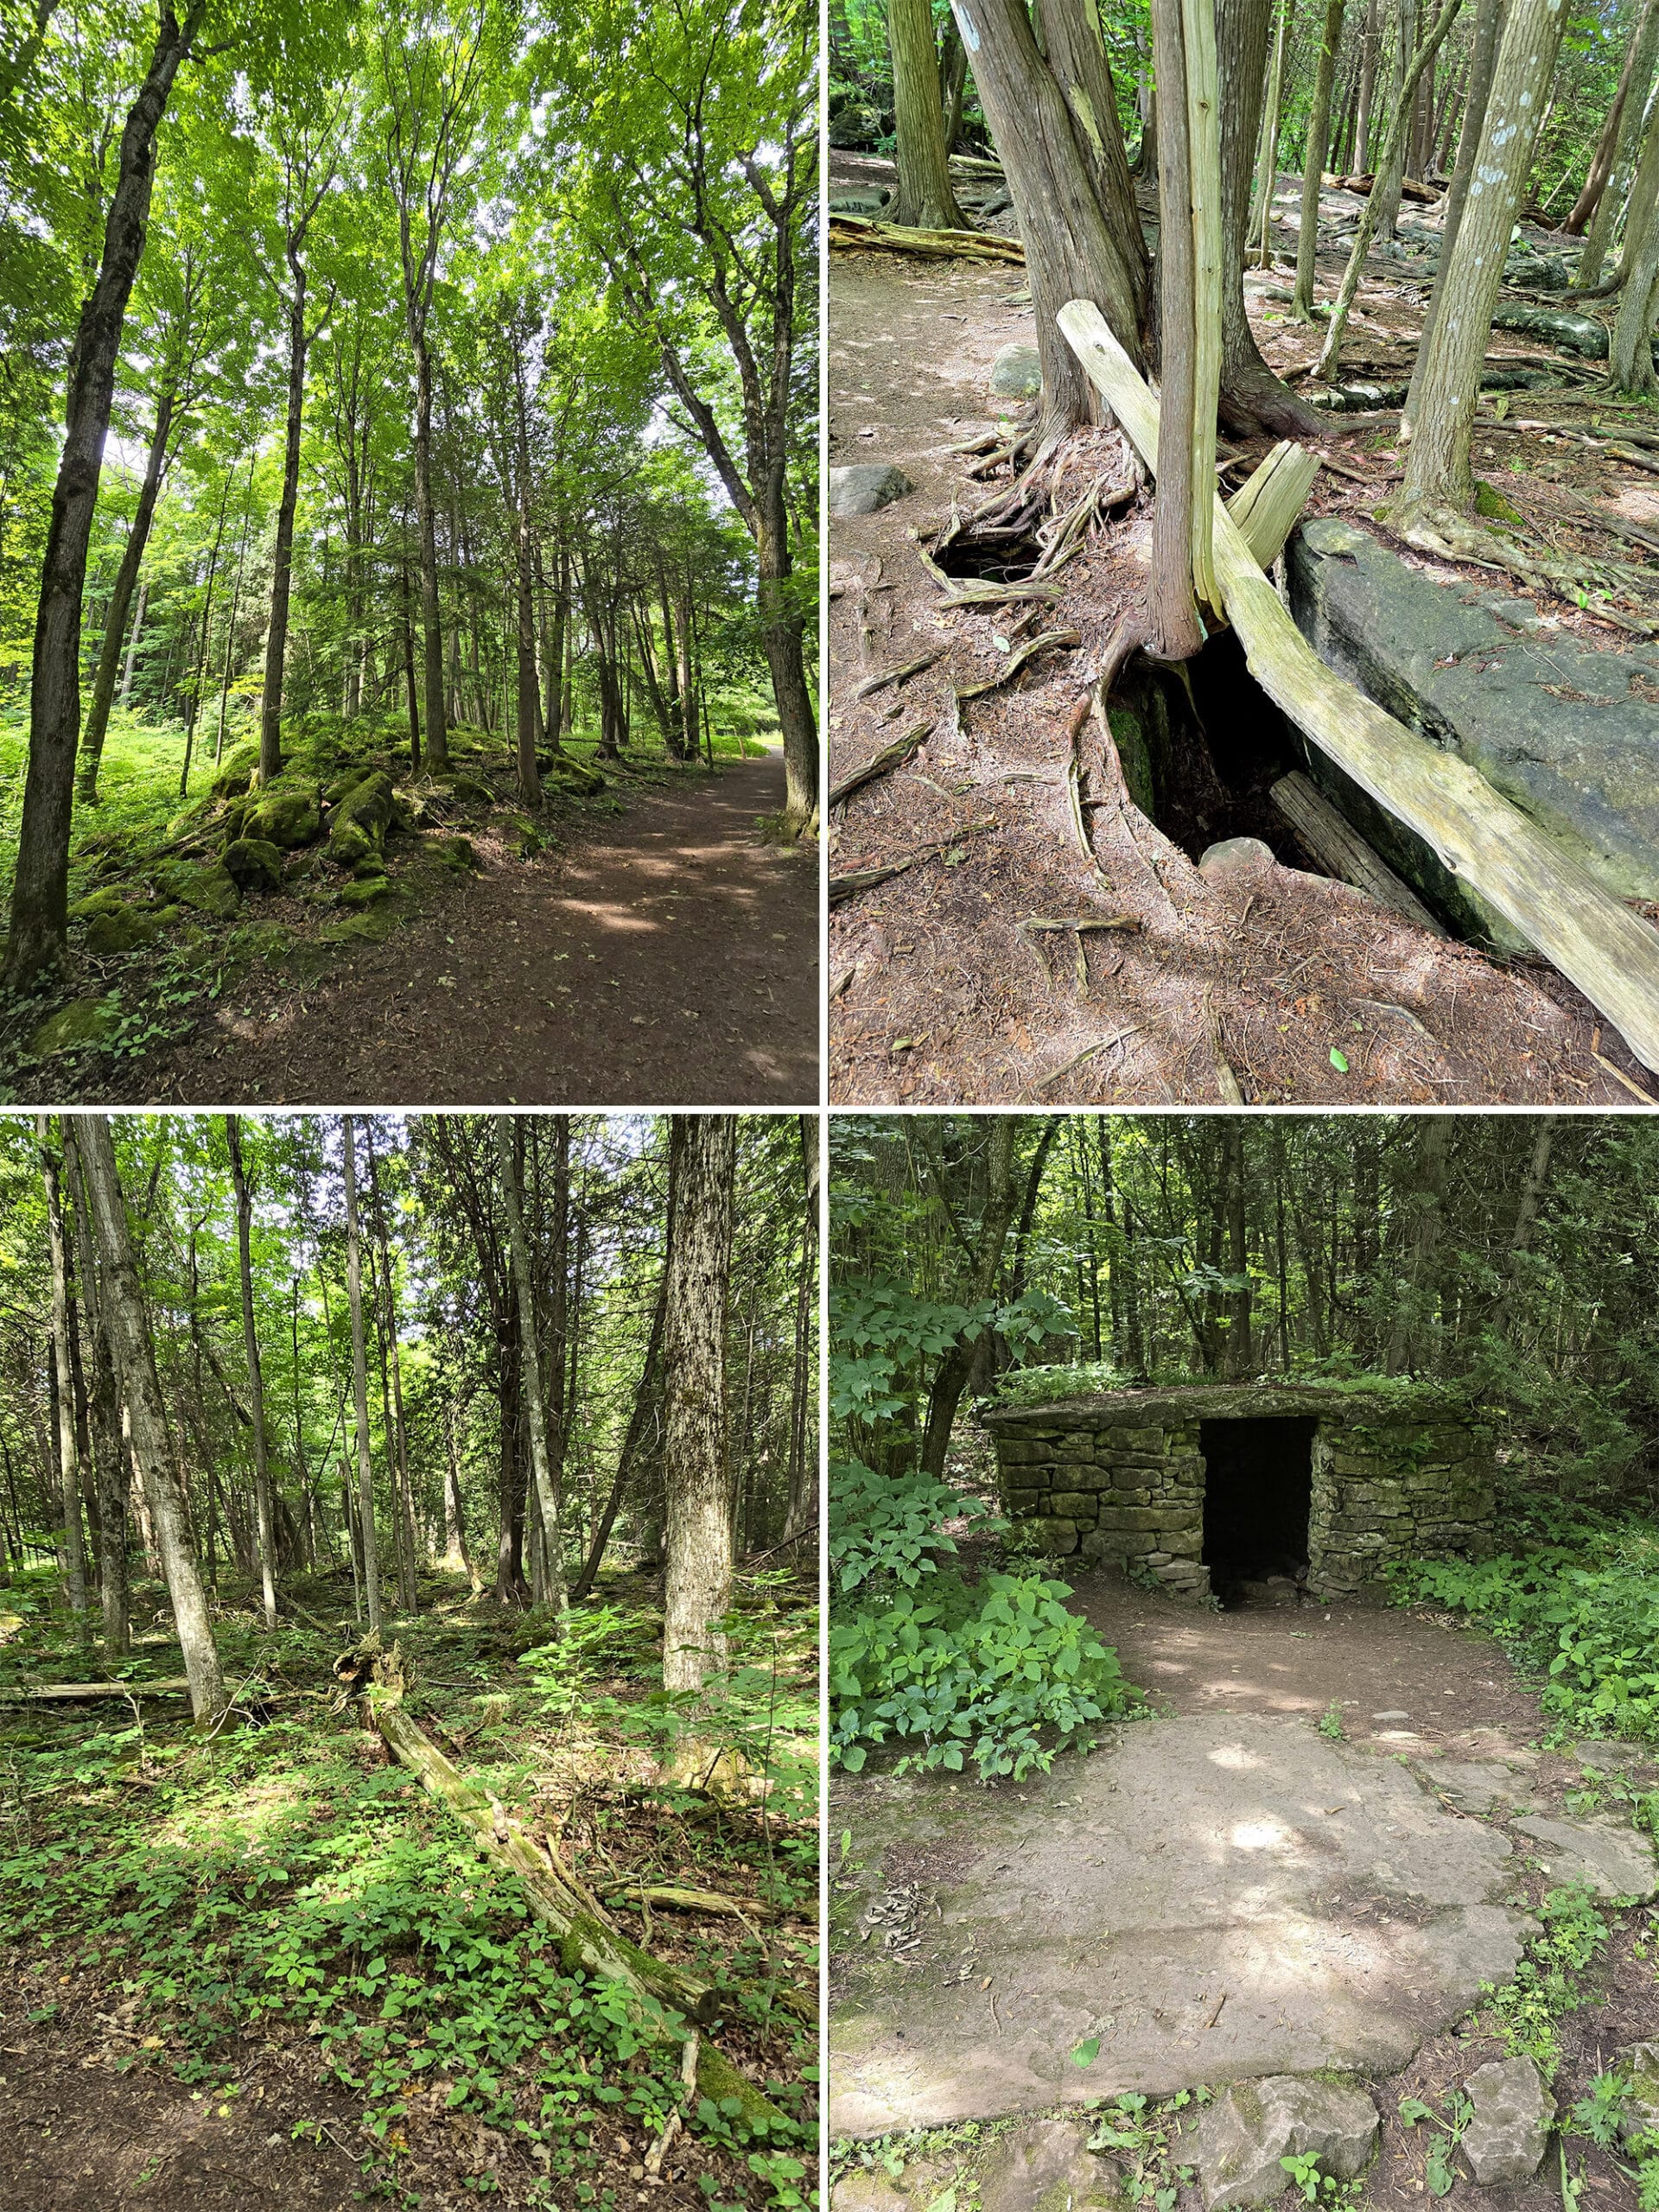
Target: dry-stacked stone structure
(1210,1481)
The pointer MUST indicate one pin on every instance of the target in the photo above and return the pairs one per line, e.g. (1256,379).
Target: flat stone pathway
(1212,1896)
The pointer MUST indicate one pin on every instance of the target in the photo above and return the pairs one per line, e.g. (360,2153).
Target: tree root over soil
(556,1896)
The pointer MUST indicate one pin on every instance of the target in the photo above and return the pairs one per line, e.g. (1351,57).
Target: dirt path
(1283,983)
(667,958)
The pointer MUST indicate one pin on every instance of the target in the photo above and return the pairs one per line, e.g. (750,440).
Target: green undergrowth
(1578,1606)
(279,1884)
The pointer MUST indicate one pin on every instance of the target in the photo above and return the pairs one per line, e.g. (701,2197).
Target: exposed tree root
(1452,537)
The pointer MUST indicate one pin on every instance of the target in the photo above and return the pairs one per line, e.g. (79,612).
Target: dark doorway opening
(1258,1493)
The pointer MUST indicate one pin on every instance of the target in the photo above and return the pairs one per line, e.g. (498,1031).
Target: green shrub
(891,1525)
(969,1675)
(1586,1617)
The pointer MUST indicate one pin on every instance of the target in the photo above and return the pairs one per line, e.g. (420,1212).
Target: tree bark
(1438,473)
(135,1359)
(951,1379)
(360,1382)
(1601,163)
(643,1410)
(1068,32)
(547,1498)
(271,715)
(1318,141)
(702,1162)
(68,1454)
(1383,203)
(925,196)
(1072,248)
(1483,58)
(111,1456)
(262,1512)
(1370,35)
(115,619)
(1629,364)
(1599,235)
(1175,631)
(39,901)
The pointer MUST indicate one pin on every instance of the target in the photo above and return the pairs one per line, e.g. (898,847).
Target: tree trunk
(951,1379)
(643,1411)
(115,620)
(547,1498)
(263,1517)
(1267,172)
(1526,1212)
(1175,631)
(1238,1348)
(1069,33)
(111,1456)
(703,1160)
(135,1359)
(40,902)
(924,196)
(1072,245)
(529,701)
(1438,473)
(69,1455)
(360,1382)
(1599,235)
(1601,163)
(1383,204)
(1319,140)
(270,718)
(1483,58)
(1370,38)
(437,746)
(1630,365)
(1431,1174)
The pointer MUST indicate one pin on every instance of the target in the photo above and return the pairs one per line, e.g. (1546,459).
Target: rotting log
(556,1896)
(1334,841)
(1610,953)
(665,1896)
(72,1693)
(932,245)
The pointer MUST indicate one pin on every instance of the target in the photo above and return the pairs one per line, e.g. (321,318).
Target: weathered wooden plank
(1335,840)
(73,1693)
(1610,953)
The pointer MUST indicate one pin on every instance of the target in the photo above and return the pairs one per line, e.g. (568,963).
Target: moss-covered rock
(349,843)
(210,890)
(453,852)
(362,890)
(359,820)
(83,1022)
(119,929)
(527,838)
(576,773)
(254,864)
(106,900)
(238,770)
(285,817)
(470,792)
(373,927)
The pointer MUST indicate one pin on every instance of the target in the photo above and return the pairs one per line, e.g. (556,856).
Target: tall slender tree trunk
(135,1359)
(40,892)
(111,1457)
(115,620)
(702,1163)
(925,194)
(1630,365)
(437,744)
(1601,162)
(547,1498)
(270,718)
(1438,472)
(1384,208)
(1632,126)
(132,644)
(68,1454)
(360,1382)
(1483,59)
(529,701)
(1370,38)
(641,1415)
(1318,141)
(262,1512)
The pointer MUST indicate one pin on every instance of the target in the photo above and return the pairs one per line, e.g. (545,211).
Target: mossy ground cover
(279,1903)
(172,900)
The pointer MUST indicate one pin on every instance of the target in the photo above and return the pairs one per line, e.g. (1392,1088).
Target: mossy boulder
(453,852)
(210,890)
(576,773)
(526,839)
(362,890)
(82,1022)
(358,823)
(373,927)
(470,792)
(119,929)
(285,817)
(254,864)
(106,900)
(238,770)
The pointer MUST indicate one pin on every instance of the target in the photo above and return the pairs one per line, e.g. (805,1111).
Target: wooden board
(1610,953)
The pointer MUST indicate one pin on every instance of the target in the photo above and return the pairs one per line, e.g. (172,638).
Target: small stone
(1047,2166)
(1017,373)
(1391,1716)
(1235,858)
(865,487)
(1513,2111)
(1641,2061)
(1249,2130)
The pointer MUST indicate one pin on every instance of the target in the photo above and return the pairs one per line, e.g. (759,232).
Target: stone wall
(1119,1479)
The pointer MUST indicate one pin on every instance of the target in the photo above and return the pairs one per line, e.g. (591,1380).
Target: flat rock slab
(1478,1785)
(1568,732)
(1514,2113)
(1212,1896)
(1610,1855)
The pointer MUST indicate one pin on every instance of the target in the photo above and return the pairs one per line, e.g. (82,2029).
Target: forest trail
(668,957)
(940,992)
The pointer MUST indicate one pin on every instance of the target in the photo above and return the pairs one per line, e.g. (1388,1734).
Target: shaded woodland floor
(940,992)
(269,1970)
(660,951)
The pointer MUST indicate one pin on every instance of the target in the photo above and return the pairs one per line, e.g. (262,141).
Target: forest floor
(268,1969)
(661,949)
(1312,995)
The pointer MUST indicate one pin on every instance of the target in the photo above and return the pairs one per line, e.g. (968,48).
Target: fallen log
(665,1898)
(72,1693)
(936,245)
(1596,942)
(1334,842)
(555,1896)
